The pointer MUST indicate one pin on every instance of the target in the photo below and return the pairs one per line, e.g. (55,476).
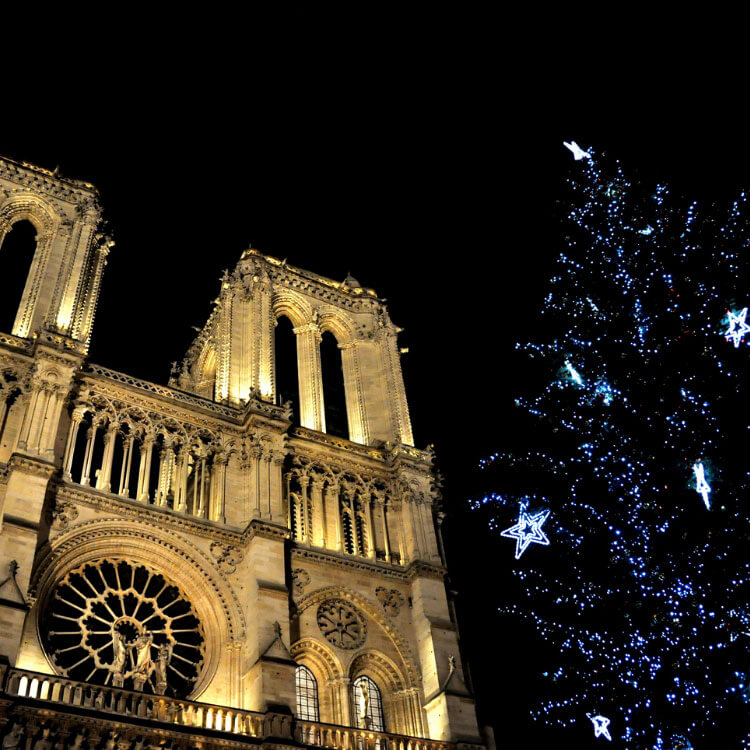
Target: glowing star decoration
(577,151)
(573,373)
(601,724)
(648,230)
(701,485)
(737,327)
(527,530)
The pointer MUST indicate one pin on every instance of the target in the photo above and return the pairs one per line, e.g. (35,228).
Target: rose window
(116,623)
(341,624)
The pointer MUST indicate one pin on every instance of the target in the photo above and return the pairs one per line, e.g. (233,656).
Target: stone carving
(341,624)
(300,579)
(227,556)
(44,742)
(63,514)
(14,738)
(113,622)
(12,572)
(391,599)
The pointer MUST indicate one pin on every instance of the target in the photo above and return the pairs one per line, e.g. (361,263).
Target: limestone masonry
(188,566)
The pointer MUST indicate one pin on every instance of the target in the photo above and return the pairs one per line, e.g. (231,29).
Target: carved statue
(44,742)
(364,703)
(14,738)
(77,741)
(121,654)
(162,662)
(143,663)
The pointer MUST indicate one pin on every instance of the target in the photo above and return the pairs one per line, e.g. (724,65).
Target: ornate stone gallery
(203,563)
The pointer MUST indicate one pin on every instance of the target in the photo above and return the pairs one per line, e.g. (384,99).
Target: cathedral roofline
(48,176)
(343,286)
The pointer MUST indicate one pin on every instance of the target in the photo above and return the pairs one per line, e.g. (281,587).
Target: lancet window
(155,461)
(17,250)
(368,704)
(308,708)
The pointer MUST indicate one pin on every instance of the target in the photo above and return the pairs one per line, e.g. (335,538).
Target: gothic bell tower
(202,564)
(38,358)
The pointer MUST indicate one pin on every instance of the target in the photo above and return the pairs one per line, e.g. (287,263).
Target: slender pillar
(318,537)
(333,516)
(312,412)
(103,478)
(202,492)
(75,424)
(127,461)
(181,472)
(304,516)
(88,455)
(144,473)
(367,502)
(218,482)
(381,511)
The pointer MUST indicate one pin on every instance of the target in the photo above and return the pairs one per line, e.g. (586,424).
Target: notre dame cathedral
(193,565)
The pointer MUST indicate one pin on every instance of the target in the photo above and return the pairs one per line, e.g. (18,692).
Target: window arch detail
(308,706)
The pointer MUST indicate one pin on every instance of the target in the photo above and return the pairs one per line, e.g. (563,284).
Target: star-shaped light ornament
(576,150)
(737,327)
(601,726)
(701,485)
(527,530)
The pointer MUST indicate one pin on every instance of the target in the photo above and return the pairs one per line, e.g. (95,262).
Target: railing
(332,736)
(60,691)
(165,391)
(7,339)
(64,692)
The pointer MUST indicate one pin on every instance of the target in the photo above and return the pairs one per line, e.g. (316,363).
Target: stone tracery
(115,622)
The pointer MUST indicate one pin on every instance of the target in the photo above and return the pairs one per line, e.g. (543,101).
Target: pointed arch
(37,211)
(375,613)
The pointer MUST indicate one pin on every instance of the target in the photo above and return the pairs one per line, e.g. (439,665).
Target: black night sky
(420,151)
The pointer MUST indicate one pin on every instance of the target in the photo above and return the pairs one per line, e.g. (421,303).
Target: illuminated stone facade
(188,548)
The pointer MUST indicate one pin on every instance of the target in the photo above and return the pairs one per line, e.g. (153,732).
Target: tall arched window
(307,695)
(16,253)
(368,704)
(287,380)
(334,395)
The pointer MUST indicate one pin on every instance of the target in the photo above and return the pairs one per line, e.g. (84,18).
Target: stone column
(144,468)
(75,424)
(218,481)
(105,472)
(334,535)
(341,701)
(181,473)
(355,399)
(366,501)
(318,513)
(88,454)
(127,458)
(304,516)
(312,410)
(411,542)
(380,515)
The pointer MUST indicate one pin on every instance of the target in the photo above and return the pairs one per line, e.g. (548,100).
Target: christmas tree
(629,511)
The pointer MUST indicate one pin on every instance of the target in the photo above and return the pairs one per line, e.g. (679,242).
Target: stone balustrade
(244,726)
(315,734)
(22,683)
